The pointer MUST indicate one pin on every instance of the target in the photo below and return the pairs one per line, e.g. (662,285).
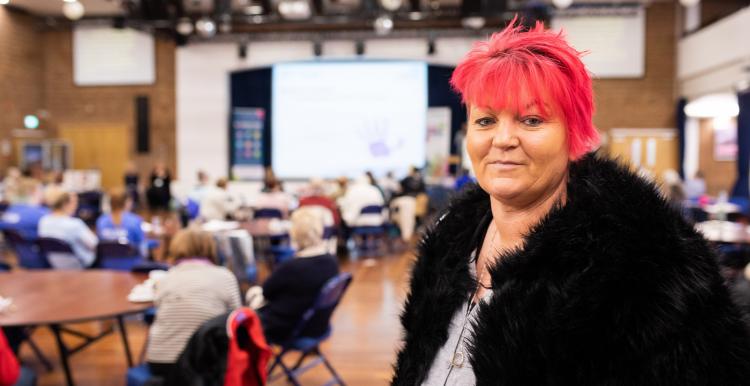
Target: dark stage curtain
(743,144)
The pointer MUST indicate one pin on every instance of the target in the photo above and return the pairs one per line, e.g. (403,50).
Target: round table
(55,297)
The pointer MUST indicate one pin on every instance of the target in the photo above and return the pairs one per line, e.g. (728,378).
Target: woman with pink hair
(560,267)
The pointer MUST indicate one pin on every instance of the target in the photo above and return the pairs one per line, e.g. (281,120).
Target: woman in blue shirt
(120,224)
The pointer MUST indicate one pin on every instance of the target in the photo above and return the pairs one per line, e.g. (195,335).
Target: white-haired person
(61,224)
(294,285)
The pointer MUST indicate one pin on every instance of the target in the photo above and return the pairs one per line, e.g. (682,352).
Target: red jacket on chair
(246,361)
(9,368)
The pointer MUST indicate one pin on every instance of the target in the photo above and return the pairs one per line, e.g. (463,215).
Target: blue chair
(117,256)
(49,245)
(192,209)
(309,346)
(141,376)
(366,238)
(28,253)
(267,213)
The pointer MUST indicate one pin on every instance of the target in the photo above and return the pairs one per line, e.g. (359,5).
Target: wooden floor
(362,347)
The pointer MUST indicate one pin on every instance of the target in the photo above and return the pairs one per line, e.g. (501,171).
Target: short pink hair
(515,68)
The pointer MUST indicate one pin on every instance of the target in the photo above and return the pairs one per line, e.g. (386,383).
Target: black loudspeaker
(142,141)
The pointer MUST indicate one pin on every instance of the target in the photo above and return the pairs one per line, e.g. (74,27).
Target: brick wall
(113,105)
(647,102)
(20,76)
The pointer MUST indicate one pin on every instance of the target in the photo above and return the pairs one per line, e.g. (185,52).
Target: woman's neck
(117,217)
(513,222)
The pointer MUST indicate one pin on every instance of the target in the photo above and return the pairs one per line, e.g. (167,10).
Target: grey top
(454,369)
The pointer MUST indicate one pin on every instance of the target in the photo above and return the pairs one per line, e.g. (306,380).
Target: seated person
(121,224)
(193,291)
(217,203)
(25,208)
(61,224)
(274,197)
(358,196)
(293,286)
(315,195)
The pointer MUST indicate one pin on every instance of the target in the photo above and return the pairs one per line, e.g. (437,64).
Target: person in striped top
(193,291)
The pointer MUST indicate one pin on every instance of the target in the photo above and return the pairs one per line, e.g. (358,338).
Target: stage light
(383,25)
(431,47)
(359,48)
(295,9)
(185,26)
(206,27)
(73,10)
(242,50)
(317,48)
(562,4)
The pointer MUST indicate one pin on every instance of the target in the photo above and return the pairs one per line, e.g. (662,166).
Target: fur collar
(615,268)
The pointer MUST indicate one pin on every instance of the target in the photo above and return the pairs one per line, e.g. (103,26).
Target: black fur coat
(613,288)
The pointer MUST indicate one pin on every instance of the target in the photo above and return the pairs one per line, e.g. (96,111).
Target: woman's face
(518,158)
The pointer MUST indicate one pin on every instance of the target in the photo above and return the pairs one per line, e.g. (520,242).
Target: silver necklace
(458,359)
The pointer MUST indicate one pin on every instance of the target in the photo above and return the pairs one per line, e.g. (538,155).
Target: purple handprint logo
(376,135)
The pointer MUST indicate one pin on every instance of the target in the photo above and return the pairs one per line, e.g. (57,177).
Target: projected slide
(342,118)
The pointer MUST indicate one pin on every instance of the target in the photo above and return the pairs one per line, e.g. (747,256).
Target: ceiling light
(689,3)
(4,2)
(562,4)
(295,9)
(383,25)
(714,105)
(184,26)
(415,15)
(391,5)
(73,10)
(473,22)
(206,27)
(251,10)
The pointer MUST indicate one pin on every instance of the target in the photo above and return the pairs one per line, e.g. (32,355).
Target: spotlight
(383,25)
(359,48)
(295,9)
(317,48)
(431,46)
(242,50)
(73,10)
(206,27)
(562,4)
(184,26)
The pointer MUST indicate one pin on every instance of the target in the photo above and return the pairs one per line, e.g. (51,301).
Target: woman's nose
(505,134)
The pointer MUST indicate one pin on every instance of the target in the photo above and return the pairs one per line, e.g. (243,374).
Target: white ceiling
(54,7)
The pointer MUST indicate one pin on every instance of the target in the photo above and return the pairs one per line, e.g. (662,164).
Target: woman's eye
(484,122)
(532,121)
